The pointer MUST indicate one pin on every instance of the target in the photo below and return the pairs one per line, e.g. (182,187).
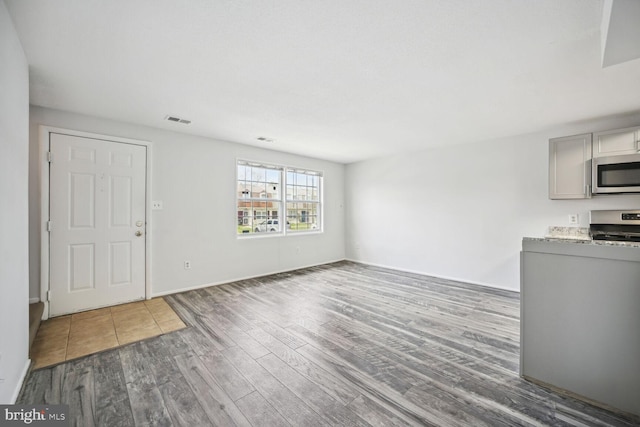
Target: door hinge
(48,295)
(49,156)
(49,225)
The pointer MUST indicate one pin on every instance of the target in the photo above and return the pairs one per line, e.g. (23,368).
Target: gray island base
(580,319)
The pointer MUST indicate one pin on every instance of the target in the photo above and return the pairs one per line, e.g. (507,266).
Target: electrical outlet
(157,205)
(573,218)
(187,265)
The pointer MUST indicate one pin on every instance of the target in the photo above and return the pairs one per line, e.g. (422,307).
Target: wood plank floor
(342,344)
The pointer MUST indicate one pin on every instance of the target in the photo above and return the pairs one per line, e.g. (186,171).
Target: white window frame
(306,200)
(282,201)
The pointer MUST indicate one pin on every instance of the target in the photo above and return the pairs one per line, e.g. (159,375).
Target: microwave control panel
(630,216)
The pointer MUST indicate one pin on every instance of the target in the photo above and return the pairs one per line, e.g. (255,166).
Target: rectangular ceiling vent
(177,120)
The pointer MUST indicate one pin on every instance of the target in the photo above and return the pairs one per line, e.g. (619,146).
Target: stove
(619,226)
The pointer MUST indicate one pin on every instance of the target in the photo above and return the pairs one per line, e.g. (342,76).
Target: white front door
(97,213)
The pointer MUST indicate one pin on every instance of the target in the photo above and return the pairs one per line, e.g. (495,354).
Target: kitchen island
(580,319)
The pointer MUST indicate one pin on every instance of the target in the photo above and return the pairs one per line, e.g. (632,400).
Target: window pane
(305,186)
(244,217)
(242,175)
(273,176)
(259,214)
(244,190)
(259,198)
(273,190)
(313,222)
(302,216)
(256,190)
(303,197)
(257,174)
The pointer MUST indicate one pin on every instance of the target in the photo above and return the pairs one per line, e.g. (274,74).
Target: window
(303,200)
(260,199)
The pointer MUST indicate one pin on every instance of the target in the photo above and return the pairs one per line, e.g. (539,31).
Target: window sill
(249,236)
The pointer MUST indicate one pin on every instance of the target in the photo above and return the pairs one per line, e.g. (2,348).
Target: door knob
(138,233)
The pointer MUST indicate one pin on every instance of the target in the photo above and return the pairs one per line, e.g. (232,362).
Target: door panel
(82,263)
(97,204)
(120,263)
(121,189)
(82,200)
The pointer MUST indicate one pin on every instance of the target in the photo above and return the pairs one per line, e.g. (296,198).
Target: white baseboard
(224,282)
(455,279)
(34,300)
(23,375)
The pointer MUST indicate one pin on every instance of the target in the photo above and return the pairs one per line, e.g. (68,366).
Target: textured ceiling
(343,80)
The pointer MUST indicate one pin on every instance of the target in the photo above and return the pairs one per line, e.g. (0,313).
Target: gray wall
(460,212)
(195,178)
(14,269)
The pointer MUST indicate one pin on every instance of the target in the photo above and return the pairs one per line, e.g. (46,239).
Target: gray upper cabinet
(570,167)
(616,142)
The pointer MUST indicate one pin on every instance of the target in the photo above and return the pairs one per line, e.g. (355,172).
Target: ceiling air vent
(177,120)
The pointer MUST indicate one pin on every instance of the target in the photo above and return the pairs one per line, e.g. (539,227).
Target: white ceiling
(343,80)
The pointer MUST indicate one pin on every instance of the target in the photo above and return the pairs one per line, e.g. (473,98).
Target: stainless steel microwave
(616,174)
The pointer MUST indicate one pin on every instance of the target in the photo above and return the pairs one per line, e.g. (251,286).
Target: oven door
(616,174)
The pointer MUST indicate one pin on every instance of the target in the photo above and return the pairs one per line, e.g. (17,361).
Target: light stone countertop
(577,235)
(584,241)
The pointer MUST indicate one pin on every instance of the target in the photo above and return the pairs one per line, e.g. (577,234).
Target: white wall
(195,178)
(14,270)
(461,212)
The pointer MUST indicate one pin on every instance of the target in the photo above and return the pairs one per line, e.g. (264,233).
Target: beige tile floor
(69,337)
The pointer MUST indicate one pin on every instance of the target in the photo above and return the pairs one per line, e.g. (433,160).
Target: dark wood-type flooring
(342,344)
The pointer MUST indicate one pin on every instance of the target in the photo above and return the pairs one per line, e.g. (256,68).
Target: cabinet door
(616,142)
(570,167)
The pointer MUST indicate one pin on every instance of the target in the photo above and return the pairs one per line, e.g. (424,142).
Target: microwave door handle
(588,172)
